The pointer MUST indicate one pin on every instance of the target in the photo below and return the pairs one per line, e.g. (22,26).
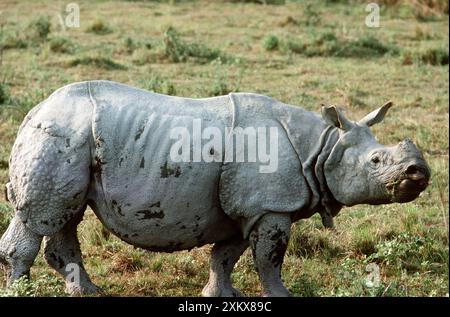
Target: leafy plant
(409,251)
(270,42)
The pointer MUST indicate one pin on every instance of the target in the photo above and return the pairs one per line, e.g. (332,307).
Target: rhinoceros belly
(141,193)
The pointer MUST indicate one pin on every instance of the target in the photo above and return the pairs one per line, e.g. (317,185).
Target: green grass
(202,48)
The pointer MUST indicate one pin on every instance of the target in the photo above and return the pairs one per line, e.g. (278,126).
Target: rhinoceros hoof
(85,289)
(214,291)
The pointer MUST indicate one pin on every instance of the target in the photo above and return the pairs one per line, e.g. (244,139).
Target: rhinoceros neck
(327,200)
(313,140)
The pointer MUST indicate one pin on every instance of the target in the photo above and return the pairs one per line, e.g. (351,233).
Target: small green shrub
(44,285)
(270,42)
(304,286)
(177,50)
(39,29)
(130,45)
(99,27)
(311,15)
(161,85)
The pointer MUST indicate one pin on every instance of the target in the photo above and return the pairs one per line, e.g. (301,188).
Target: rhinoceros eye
(375,159)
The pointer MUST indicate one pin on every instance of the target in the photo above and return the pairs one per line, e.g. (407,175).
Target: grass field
(301,52)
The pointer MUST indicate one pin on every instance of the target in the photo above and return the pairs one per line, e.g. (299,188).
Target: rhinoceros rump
(109,146)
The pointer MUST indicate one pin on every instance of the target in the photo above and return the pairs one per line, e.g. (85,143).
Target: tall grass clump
(328,44)
(431,56)
(96,61)
(39,29)
(176,50)
(4,94)
(62,45)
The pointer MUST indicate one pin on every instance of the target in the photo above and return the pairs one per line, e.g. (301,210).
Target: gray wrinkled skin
(107,145)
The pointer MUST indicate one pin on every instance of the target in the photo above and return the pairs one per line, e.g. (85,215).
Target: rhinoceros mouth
(408,188)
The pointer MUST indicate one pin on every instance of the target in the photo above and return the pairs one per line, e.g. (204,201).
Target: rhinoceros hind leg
(268,240)
(19,247)
(62,252)
(224,256)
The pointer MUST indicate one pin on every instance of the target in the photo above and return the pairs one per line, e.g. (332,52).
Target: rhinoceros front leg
(327,219)
(19,247)
(268,240)
(62,252)
(224,256)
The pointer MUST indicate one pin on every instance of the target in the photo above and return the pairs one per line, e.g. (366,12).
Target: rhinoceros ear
(334,117)
(377,115)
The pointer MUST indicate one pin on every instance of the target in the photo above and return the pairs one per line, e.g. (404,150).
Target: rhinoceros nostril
(417,173)
(412,169)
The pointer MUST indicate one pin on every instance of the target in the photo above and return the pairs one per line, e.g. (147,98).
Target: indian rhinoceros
(110,146)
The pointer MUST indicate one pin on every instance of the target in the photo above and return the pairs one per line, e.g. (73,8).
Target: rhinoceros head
(360,170)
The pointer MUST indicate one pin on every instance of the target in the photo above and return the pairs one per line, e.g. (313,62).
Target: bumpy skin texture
(107,145)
